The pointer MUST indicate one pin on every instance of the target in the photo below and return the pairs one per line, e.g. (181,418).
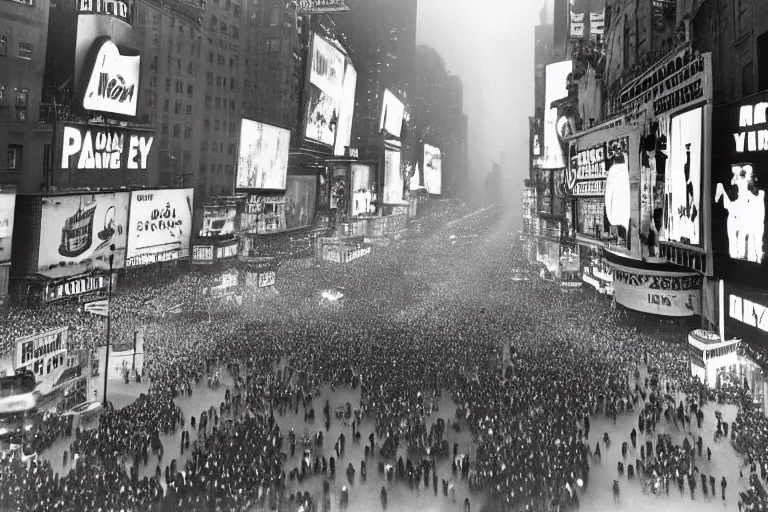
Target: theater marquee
(658,293)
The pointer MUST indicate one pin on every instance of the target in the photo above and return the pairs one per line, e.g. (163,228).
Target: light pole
(109,322)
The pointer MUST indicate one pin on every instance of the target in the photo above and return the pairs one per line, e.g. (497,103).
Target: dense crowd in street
(527,373)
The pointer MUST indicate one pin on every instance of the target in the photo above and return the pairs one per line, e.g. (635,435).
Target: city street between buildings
(422,315)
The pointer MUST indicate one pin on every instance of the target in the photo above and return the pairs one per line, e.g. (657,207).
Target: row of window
(223,28)
(24,51)
(177,130)
(177,107)
(219,125)
(227,170)
(221,81)
(221,60)
(217,147)
(218,103)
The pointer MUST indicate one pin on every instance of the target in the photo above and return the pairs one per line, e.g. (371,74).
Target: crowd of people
(530,370)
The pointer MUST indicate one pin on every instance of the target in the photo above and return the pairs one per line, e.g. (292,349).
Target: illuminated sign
(589,188)
(202,254)
(228,251)
(115,8)
(75,287)
(114,82)
(752,140)
(88,147)
(160,226)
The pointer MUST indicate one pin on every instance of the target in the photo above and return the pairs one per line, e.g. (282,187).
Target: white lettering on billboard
(77,232)
(160,228)
(103,147)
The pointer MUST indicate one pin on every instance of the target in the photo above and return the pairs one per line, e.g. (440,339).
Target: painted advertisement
(739,166)
(556,82)
(393,180)
(433,169)
(77,232)
(7,206)
(326,80)
(262,156)
(682,188)
(160,226)
(657,293)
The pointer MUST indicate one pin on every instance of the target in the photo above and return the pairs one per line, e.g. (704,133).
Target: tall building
(24,144)
(381,35)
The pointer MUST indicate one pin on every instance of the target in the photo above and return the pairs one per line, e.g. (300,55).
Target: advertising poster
(393,180)
(76,233)
(433,169)
(106,73)
(262,156)
(739,167)
(617,201)
(586,172)
(392,111)
(218,220)
(544,191)
(86,147)
(7,207)
(557,77)
(300,194)
(363,194)
(347,110)
(160,226)
(326,79)
(658,294)
(682,190)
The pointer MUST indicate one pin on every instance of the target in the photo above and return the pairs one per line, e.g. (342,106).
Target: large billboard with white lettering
(92,147)
(160,226)
(77,232)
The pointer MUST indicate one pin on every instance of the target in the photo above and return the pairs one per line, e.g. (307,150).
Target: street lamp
(109,322)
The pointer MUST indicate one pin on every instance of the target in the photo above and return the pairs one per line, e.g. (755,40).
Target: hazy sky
(489,44)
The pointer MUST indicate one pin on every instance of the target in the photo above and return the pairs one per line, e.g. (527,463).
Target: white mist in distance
(489,44)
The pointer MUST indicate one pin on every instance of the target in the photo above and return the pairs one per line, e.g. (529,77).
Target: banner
(347,112)
(325,91)
(676,83)
(85,147)
(556,78)
(7,207)
(433,173)
(262,156)
(118,9)
(227,251)
(392,111)
(97,307)
(308,7)
(77,287)
(657,293)
(160,226)
(202,254)
(32,350)
(76,233)
(218,220)
(682,187)
(739,185)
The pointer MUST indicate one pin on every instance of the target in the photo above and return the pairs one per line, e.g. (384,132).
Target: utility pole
(109,322)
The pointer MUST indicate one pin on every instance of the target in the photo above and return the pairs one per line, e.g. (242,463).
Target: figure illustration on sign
(746,214)
(76,235)
(109,224)
(688,211)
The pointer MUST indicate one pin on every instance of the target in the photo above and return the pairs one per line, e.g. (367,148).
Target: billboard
(617,198)
(363,185)
(76,233)
(202,254)
(160,226)
(300,194)
(586,171)
(556,76)
(433,169)
(81,147)
(739,164)
(7,207)
(347,111)
(392,111)
(658,293)
(326,80)
(262,156)
(393,180)
(218,220)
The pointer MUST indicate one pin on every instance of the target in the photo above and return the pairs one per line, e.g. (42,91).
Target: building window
(189,110)
(206,124)
(221,61)
(22,98)
(155,41)
(166,105)
(187,132)
(207,102)
(25,50)
(210,57)
(177,130)
(224,81)
(762,59)
(178,65)
(190,69)
(218,81)
(231,62)
(2,91)
(223,27)
(165,128)
(216,125)
(232,105)
(218,103)
(209,78)
(204,146)
(214,23)
(748,79)
(235,32)
(742,17)
(190,89)
(14,157)
(274,17)
(179,87)
(232,85)
(177,107)
(167,85)
(231,149)
(236,11)
(213,171)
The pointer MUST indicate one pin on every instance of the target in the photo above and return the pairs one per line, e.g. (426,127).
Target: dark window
(190,89)
(274,17)
(14,155)
(177,130)
(3,45)
(748,79)
(742,17)
(762,59)
(25,50)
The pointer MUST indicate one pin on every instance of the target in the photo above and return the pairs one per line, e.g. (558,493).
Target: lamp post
(109,322)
